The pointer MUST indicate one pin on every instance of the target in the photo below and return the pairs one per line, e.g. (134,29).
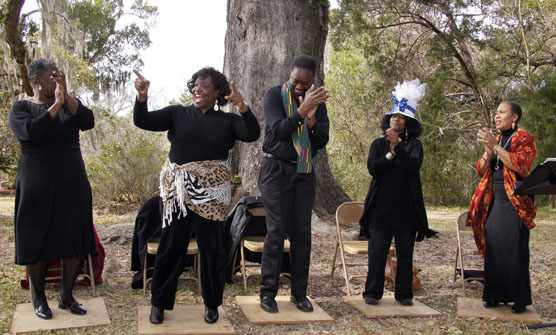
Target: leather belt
(267,155)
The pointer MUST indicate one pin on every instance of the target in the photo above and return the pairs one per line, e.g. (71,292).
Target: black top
(505,142)
(279,127)
(195,136)
(395,197)
(35,128)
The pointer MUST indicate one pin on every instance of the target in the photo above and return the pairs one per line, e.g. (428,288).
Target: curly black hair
(218,79)
(414,129)
(38,66)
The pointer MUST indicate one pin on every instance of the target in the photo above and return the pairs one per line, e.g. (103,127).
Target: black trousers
(379,246)
(171,254)
(288,199)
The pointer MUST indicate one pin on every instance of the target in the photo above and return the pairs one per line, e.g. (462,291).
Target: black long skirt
(53,207)
(507,252)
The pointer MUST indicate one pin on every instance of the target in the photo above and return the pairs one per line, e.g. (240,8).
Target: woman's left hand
(486,136)
(236,99)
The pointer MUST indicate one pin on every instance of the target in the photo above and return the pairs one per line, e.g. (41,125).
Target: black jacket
(410,155)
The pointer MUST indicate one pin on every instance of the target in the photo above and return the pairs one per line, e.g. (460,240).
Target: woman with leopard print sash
(195,182)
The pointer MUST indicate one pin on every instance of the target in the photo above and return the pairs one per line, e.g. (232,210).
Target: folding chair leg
(92,275)
(334,260)
(145,273)
(456,266)
(462,273)
(345,269)
(244,275)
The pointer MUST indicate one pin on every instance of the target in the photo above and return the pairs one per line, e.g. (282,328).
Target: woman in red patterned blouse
(501,219)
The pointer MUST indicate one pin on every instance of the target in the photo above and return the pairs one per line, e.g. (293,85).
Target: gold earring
(513,125)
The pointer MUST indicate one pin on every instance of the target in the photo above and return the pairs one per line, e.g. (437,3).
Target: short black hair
(218,79)
(515,108)
(38,66)
(305,62)
(414,128)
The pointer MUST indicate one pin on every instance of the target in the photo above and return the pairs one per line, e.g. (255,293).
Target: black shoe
(74,306)
(157,315)
(371,301)
(302,303)
(406,301)
(518,308)
(211,314)
(43,311)
(268,304)
(490,304)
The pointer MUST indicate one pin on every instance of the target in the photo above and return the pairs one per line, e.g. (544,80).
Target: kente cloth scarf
(300,137)
(203,187)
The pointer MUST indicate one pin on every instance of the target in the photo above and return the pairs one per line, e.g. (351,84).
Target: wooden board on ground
(388,307)
(287,312)
(25,320)
(473,308)
(184,319)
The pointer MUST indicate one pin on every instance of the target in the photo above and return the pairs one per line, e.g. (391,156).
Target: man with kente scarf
(296,128)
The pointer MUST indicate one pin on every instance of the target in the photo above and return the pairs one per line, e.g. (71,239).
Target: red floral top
(522,154)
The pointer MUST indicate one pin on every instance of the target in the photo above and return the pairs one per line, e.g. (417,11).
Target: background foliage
(472,55)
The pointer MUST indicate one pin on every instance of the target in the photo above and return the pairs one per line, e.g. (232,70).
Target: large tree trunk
(262,40)
(12,35)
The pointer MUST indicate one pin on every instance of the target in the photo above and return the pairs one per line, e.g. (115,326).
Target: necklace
(504,147)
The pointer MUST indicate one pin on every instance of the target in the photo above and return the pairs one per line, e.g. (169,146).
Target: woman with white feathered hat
(394,206)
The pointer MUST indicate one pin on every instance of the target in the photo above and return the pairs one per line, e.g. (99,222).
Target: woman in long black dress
(394,206)
(195,183)
(53,203)
(501,219)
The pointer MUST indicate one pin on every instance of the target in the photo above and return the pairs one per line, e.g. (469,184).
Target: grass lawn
(434,257)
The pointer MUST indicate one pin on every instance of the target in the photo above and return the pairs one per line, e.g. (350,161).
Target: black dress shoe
(518,308)
(302,303)
(157,315)
(211,314)
(371,301)
(74,306)
(43,311)
(490,304)
(268,304)
(406,301)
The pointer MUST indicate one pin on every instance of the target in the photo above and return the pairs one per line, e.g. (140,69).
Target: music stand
(541,181)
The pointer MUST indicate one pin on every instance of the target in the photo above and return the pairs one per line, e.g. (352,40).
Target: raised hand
(486,136)
(235,98)
(392,137)
(142,86)
(59,94)
(313,98)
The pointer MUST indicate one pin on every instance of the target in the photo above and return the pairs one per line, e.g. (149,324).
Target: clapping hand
(313,98)
(142,86)
(486,136)
(392,137)
(236,99)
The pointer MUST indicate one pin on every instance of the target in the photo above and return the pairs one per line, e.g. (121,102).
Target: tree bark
(12,35)
(262,40)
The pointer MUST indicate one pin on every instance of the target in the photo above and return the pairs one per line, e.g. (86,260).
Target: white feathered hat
(406,97)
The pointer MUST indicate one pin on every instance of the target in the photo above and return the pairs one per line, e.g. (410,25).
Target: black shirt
(505,142)
(195,136)
(279,127)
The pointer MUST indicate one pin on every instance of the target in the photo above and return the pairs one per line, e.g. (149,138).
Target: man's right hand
(142,86)
(313,98)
